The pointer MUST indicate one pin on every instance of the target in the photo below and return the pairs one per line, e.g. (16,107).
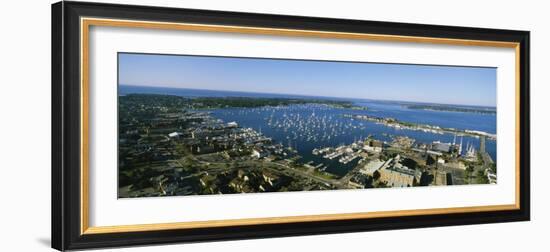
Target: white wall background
(25,124)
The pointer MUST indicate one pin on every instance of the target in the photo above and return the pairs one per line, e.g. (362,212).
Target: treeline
(252,102)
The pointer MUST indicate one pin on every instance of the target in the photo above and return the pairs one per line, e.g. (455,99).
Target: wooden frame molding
(88,22)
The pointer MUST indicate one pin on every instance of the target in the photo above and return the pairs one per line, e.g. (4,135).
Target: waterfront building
(373,146)
(442,147)
(395,174)
(372,166)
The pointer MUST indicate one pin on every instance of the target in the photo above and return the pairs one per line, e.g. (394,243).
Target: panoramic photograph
(204,125)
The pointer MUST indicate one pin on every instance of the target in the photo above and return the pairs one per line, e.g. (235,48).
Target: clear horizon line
(384,100)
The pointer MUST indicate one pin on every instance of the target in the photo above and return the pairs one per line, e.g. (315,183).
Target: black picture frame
(66,155)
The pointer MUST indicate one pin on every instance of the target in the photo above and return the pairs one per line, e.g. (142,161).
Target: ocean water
(310,126)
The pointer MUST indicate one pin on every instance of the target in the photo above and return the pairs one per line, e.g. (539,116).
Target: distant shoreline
(295,96)
(448,108)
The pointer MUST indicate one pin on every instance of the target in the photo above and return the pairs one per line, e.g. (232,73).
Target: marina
(316,128)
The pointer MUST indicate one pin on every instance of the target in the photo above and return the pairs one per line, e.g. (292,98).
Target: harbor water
(305,127)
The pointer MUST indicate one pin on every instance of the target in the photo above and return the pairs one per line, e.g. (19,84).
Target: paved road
(333,182)
(286,169)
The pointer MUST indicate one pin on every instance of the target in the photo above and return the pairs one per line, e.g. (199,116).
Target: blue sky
(418,83)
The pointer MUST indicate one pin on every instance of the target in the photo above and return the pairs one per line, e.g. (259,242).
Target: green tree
(481,178)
